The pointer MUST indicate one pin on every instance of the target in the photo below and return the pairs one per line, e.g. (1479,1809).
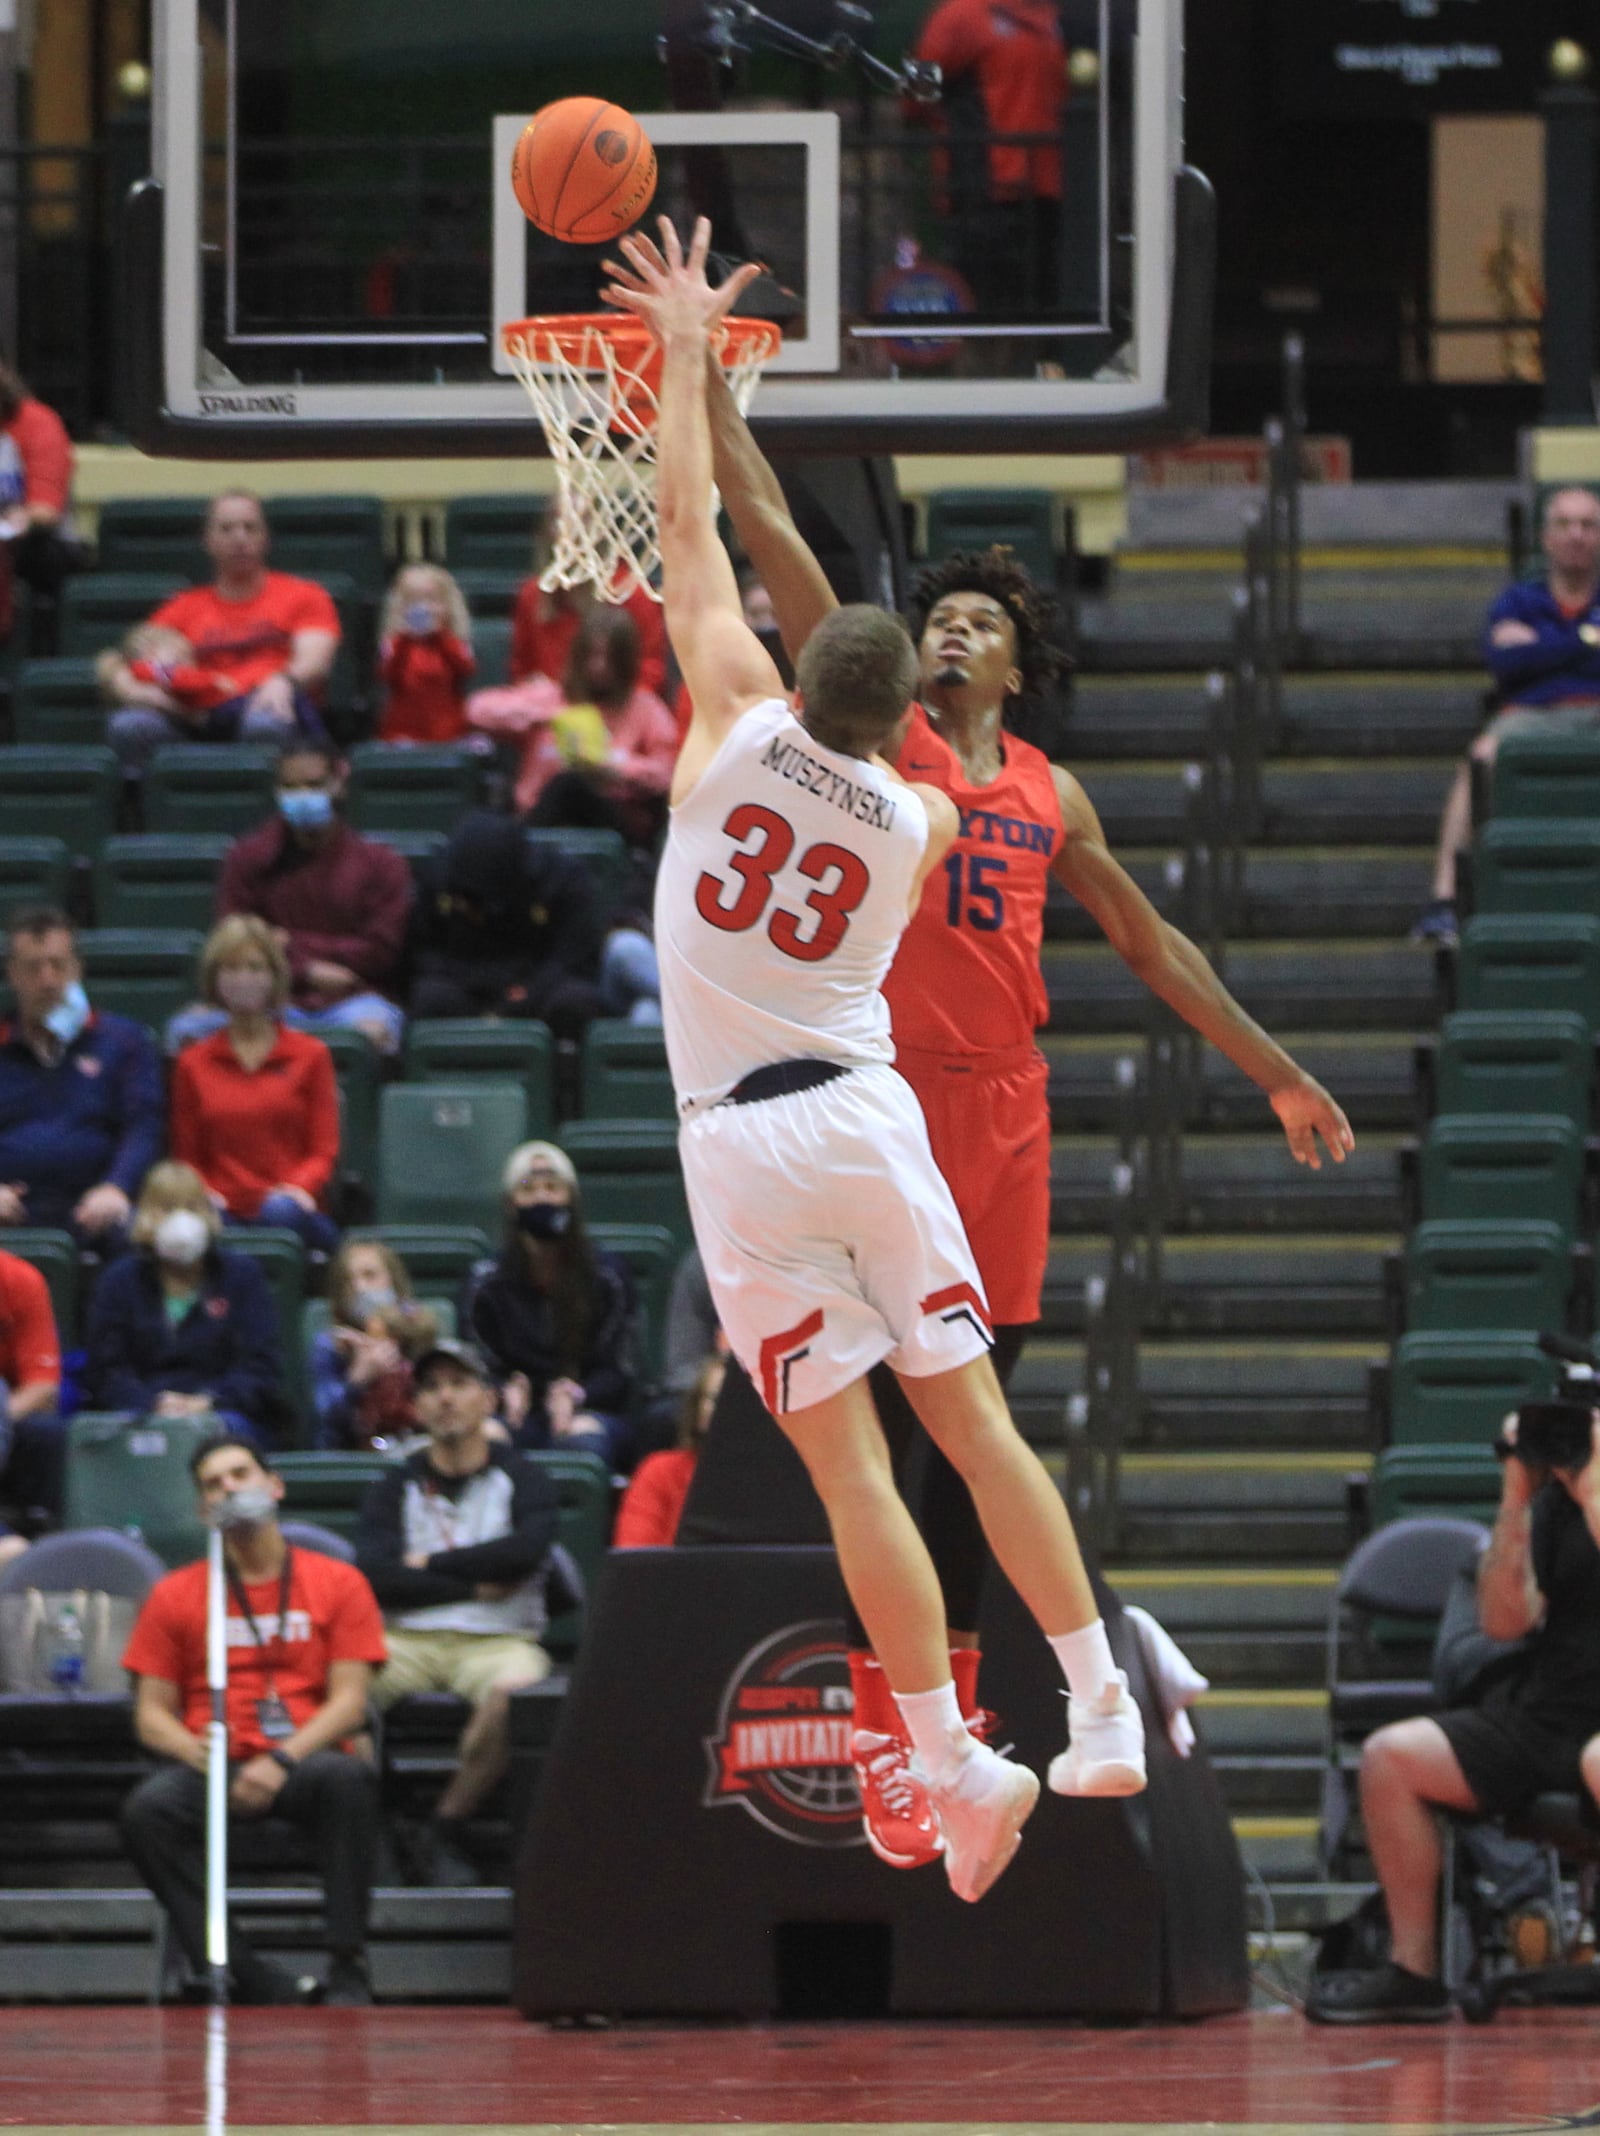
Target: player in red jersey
(967,995)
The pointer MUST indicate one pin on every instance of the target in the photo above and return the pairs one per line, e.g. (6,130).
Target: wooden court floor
(487,2070)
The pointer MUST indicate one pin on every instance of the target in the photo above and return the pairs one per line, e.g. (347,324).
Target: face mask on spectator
(182,1237)
(69,1015)
(244,993)
(544,1220)
(380,1299)
(245,1508)
(306,808)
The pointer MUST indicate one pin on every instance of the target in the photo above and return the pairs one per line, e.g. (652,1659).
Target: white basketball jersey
(782,895)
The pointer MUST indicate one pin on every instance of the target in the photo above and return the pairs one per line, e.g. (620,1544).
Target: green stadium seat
(625,1074)
(1460,1482)
(421,788)
(1499,1170)
(57,702)
(1525,864)
(281,1257)
(971,519)
(1536,1061)
(319,537)
(1508,1274)
(489,592)
(328,1487)
(350,679)
(55,1255)
(438,1257)
(154,534)
(358,1066)
(1515,962)
(1546,775)
(132,1473)
(629,1173)
(412,845)
(442,1147)
(492,533)
(1447,1388)
(99,609)
(602,854)
(148,973)
(491,647)
(159,880)
(210,786)
(652,1254)
(449,1048)
(70,794)
(583,1525)
(33,871)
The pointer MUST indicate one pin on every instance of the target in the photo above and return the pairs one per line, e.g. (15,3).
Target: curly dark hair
(996,572)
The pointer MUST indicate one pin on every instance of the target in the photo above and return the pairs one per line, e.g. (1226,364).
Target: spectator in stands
(339,904)
(1542,646)
(81,1109)
(651,1507)
(425,658)
(155,654)
(274,635)
(1536,1730)
(555,1315)
(182,1327)
(456,1545)
(544,624)
(35,487)
(304,1637)
(362,1363)
(1004,64)
(506,928)
(32,1435)
(255,1107)
(599,746)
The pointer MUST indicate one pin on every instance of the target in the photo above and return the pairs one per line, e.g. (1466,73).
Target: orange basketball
(583,170)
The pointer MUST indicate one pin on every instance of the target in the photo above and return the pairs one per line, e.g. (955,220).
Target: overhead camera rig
(733,29)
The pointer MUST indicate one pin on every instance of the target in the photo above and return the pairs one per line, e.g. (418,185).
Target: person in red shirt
(35,487)
(1004,64)
(425,657)
(275,635)
(255,1107)
(304,1635)
(31,1434)
(152,653)
(543,626)
(652,1505)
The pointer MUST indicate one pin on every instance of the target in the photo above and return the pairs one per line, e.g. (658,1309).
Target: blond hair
(341,1290)
(445,591)
(168,1186)
(230,941)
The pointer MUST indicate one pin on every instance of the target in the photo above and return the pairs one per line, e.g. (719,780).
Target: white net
(594,388)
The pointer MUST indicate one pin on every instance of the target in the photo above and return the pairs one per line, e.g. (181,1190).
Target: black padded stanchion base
(696,1827)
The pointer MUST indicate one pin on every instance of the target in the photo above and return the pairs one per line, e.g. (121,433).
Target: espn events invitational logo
(782,1746)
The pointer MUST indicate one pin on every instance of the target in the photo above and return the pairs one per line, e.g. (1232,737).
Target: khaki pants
(471,1664)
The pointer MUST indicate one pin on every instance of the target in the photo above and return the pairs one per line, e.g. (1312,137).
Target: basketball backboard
(317,269)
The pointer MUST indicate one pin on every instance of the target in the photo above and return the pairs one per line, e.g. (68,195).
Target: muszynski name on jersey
(865,803)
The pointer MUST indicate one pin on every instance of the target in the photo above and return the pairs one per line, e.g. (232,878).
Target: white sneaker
(982,1807)
(1106,1753)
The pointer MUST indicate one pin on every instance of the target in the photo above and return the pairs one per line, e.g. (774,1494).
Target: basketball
(583,170)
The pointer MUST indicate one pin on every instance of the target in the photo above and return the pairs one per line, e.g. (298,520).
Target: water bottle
(67,1663)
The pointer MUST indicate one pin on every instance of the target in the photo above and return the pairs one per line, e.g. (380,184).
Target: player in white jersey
(794,859)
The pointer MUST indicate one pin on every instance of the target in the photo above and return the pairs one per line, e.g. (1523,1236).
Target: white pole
(217,1771)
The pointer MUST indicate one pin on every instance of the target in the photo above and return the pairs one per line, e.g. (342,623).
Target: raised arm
(801,595)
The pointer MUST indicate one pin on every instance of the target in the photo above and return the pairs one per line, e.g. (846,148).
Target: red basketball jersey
(966,977)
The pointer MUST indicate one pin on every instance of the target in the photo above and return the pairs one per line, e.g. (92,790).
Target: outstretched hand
(668,290)
(1306,1111)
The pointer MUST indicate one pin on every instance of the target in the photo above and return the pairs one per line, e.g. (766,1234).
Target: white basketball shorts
(830,1239)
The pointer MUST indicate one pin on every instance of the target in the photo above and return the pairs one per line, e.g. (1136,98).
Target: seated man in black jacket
(455,1544)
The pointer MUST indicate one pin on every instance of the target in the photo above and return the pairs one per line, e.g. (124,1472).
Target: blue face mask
(69,1015)
(306,808)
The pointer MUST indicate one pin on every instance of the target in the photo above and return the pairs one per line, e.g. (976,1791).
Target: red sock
(964,1668)
(875,1706)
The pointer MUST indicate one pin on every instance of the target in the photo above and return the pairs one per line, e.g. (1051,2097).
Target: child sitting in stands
(154,653)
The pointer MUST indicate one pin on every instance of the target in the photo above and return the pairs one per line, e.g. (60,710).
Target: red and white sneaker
(895,1810)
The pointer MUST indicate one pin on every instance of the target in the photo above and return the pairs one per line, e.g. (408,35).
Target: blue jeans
(630,978)
(370,1011)
(318,1233)
(136,732)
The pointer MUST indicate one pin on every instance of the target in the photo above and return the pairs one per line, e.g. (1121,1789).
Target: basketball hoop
(594,379)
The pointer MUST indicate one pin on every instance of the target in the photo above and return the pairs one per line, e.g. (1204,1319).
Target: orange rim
(570,334)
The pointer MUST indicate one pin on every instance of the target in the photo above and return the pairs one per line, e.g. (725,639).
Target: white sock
(938,1733)
(1085,1658)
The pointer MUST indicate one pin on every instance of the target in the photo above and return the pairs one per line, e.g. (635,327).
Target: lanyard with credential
(237,1588)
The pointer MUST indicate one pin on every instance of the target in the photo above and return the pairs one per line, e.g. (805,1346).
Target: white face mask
(181,1237)
(244,1508)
